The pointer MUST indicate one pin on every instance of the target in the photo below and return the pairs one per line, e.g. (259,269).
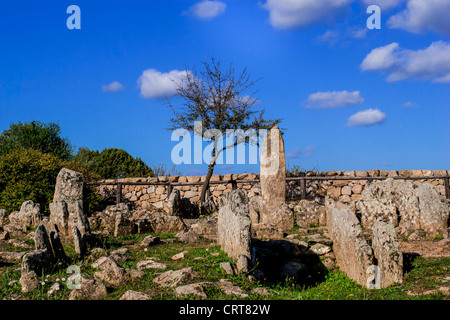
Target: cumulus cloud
(287,14)
(410,104)
(207,9)
(420,16)
(366,118)
(114,86)
(154,84)
(384,4)
(332,99)
(425,64)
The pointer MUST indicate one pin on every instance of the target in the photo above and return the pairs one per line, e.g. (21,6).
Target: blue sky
(351,98)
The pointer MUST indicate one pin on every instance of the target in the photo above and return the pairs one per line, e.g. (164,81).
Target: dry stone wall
(347,191)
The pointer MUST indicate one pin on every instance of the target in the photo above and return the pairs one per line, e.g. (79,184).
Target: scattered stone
(389,257)
(234,234)
(11,257)
(227,267)
(37,260)
(123,224)
(263,231)
(179,256)
(29,281)
(174,278)
(445,290)
(135,274)
(150,264)
(189,236)
(150,241)
(19,243)
(260,291)
(29,215)
(207,228)
(196,289)
(89,288)
(104,263)
(115,276)
(318,238)
(162,223)
(310,213)
(353,254)
(320,249)
(228,288)
(134,295)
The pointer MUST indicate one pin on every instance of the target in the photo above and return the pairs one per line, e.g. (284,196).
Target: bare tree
(222,101)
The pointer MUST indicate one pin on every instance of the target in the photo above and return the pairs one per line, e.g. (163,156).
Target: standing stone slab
(29,215)
(58,249)
(387,253)
(353,254)
(67,208)
(272,175)
(79,243)
(41,240)
(234,235)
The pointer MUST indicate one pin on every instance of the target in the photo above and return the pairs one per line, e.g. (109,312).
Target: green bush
(44,137)
(113,163)
(27,174)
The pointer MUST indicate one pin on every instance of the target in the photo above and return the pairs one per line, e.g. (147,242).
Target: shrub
(44,137)
(28,174)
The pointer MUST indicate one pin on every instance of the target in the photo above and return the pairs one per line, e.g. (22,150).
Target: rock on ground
(134,295)
(173,278)
(234,235)
(88,289)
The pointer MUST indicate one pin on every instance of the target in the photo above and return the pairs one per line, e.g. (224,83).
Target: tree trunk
(206,183)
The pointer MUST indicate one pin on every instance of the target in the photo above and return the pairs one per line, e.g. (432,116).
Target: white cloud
(410,104)
(294,154)
(384,4)
(366,118)
(425,64)
(331,37)
(332,99)
(207,9)
(114,86)
(156,85)
(420,16)
(287,14)
(307,153)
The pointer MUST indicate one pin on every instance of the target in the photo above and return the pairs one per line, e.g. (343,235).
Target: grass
(205,258)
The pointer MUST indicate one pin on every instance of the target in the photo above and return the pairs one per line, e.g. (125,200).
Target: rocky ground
(300,264)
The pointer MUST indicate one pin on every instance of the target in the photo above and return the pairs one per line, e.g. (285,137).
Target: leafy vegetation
(113,163)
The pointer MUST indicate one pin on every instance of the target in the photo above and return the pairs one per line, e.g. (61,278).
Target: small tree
(43,137)
(221,100)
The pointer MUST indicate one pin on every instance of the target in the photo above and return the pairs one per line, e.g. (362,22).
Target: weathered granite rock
(41,240)
(195,289)
(104,263)
(173,278)
(387,253)
(29,215)
(88,289)
(188,236)
(234,224)
(406,205)
(67,208)
(134,295)
(272,174)
(57,247)
(353,254)
(263,231)
(282,217)
(123,224)
(79,242)
(207,228)
(38,261)
(254,207)
(114,276)
(150,264)
(230,289)
(227,267)
(29,281)
(162,223)
(150,241)
(310,213)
